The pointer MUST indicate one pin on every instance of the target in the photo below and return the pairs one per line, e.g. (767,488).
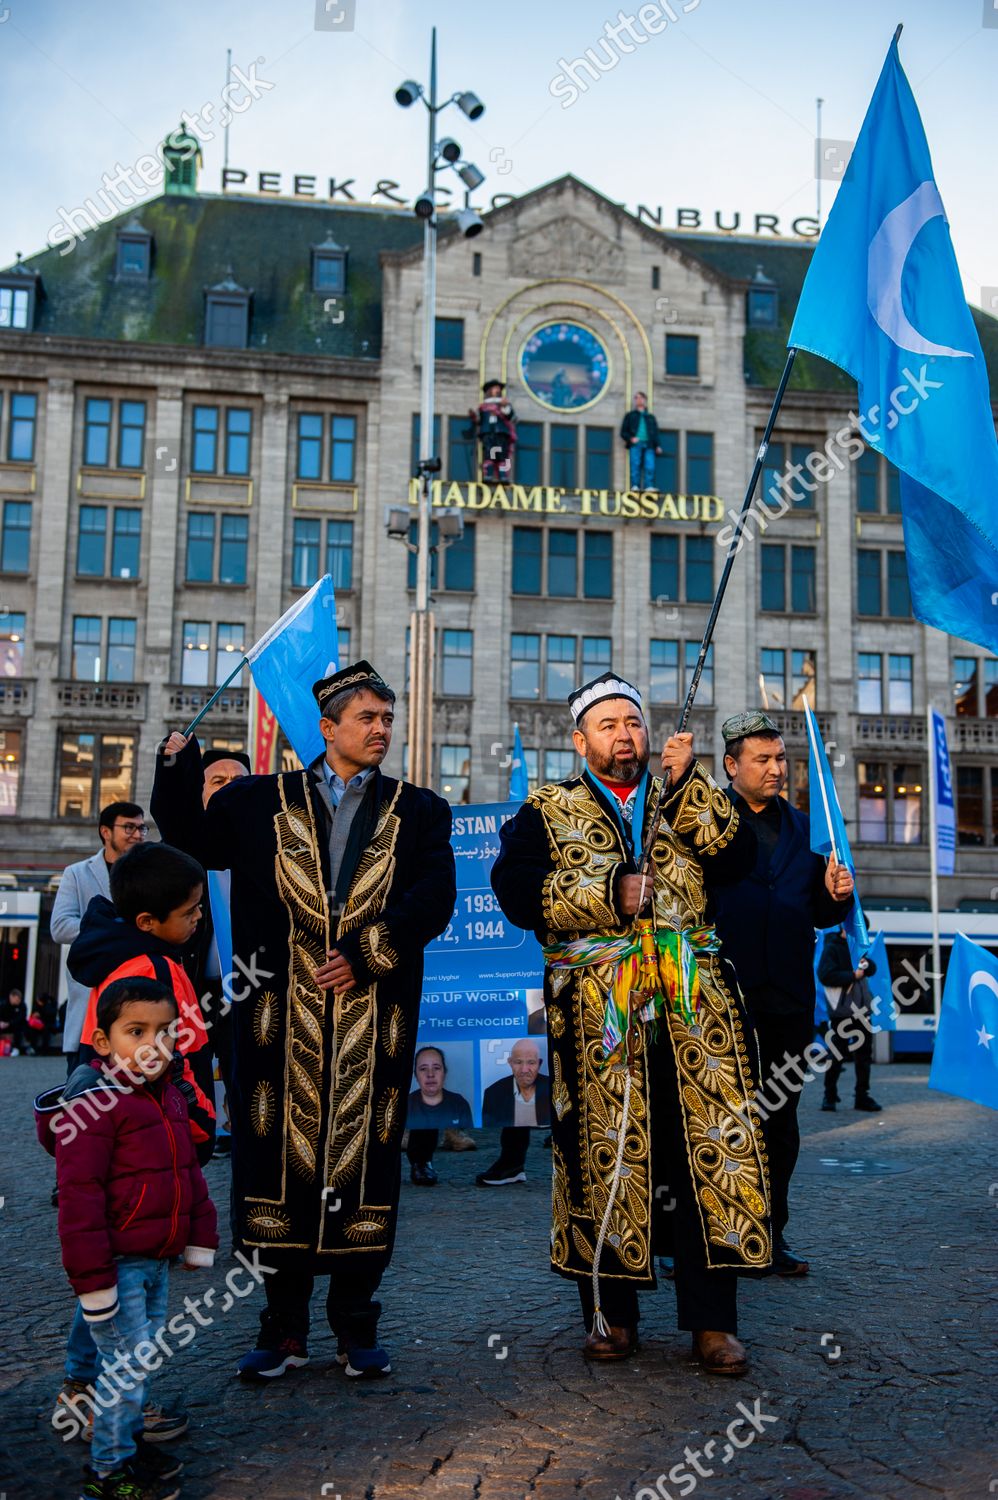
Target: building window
(970,805)
(783,488)
(528,544)
(94,770)
(476,263)
(595,656)
(131,434)
(762,303)
(307,540)
(309,445)
(15,307)
(965,686)
(699,569)
(449,340)
(342,447)
(21,429)
(195,653)
(329,268)
(15,541)
(705,691)
(339,553)
(134,259)
(459,562)
(229,646)
(560,765)
(86,648)
(699,463)
(525,667)
(803,679)
(238,432)
(455,663)
(664,672)
(890,803)
(559,677)
(10,771)
(899,685)
(461,455)
(97,433)
(597,564)
(898,592)
(878,489)
(204,448)
(200,547)
(12,628)
(773,678)
(563,564)
(870,592)
(599,458)
(226,320)
(773,581)
(120,650)
(234,549)
(529,449)
(803,591)
(869,686)
(126,543)
(91,544)
(682,354)
(455,772)
(773,594)
(343,643)
(664,568)
(667,463)
(564,449)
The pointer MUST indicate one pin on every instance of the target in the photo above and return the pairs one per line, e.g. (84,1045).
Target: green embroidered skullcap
(752,722)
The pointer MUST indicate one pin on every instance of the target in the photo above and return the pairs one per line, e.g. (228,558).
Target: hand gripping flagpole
(600,1326)
(215,697)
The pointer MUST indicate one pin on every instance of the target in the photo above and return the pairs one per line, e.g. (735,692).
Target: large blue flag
(828,830)
(883,300)
(295,652)
(519,782)
(965,1057)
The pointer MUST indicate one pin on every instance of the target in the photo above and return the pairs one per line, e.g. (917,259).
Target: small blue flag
(884,301)
(219,895)
(519,784)
(828,831)
(965,1057)
(295,652)
(883,1012)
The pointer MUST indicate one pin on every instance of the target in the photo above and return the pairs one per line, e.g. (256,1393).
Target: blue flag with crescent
(828,830)
(965,1057)
(883,300)
(519,781)
(296,651)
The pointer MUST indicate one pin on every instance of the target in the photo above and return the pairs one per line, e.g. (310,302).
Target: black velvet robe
(320,1082)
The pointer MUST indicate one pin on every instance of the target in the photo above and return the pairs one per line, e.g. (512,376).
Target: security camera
(424,206)
(449,150)
(407,93)
(471,105)
(469,223)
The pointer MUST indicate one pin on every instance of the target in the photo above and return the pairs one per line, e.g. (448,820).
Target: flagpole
(934,868)
(812,730)
(734,547)
(215,697)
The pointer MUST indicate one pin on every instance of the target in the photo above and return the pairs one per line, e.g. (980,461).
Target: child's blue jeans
(121,1385)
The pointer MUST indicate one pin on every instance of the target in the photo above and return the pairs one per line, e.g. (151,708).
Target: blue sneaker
(268,1364)
(364,1364)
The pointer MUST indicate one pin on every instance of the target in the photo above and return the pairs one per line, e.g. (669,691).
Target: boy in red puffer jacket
(131,1197)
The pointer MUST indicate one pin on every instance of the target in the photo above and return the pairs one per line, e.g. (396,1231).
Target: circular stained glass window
(565,366)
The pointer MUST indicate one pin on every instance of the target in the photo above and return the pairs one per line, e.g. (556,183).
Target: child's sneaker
(123,1484)
(159,1426)
(80,1411)
(364,1364)
(150,1464)
(268,1364)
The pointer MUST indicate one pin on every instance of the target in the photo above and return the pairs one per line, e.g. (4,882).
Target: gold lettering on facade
(554,500)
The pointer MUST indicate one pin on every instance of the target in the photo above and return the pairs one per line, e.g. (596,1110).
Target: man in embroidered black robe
(690,1178)
(340,877)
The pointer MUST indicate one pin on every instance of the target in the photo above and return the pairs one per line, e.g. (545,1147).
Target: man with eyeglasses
(120,826)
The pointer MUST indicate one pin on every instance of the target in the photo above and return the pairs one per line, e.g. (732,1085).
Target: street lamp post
(421,627)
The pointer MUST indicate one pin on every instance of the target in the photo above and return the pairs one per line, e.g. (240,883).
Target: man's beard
(625,769)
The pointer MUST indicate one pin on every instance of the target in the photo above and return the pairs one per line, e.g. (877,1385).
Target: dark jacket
(629,428)
(129,1181)
(109,948)
(835,966)
(766,921)
(499,1106)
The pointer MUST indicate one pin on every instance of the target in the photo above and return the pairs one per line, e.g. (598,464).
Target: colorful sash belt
(660,966)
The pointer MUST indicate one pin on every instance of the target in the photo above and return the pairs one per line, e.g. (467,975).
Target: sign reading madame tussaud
(552,500)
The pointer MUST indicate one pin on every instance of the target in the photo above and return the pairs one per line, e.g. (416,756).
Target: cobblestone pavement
(879,1368)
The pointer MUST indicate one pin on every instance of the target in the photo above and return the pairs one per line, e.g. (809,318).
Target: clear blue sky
(717,111)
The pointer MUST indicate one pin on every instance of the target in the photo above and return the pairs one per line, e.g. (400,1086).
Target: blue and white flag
(519,783)
(828,830)
(295,652)
(941,790)
(883,1012)
(883,300)
(965,1057)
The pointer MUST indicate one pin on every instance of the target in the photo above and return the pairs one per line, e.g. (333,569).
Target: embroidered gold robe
(557,873)
(320,1082)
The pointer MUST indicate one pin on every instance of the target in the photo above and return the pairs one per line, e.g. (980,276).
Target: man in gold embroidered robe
(691,1178)
(340,877)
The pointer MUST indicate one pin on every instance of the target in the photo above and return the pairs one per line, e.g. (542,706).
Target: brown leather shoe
(457,1140)
(620,1343)
(720,1353)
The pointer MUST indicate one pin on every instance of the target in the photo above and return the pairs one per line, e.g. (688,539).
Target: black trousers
(704,1298)
(350,1307)
(862,1057)
(779,1035)
(422,1144)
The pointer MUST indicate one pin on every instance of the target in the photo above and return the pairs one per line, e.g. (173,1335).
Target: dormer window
(19,289)
(227,314)
(329,267)
(134,262)
(763,301)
